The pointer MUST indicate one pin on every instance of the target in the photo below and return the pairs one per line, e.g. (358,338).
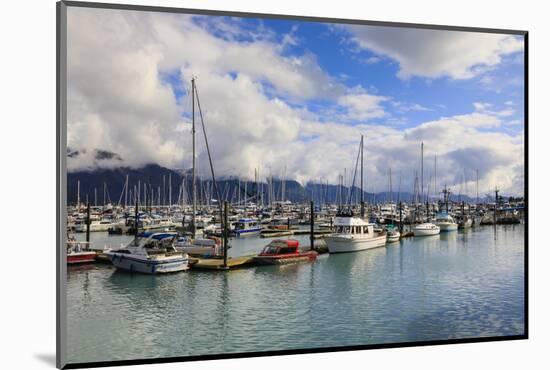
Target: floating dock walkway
(217,263)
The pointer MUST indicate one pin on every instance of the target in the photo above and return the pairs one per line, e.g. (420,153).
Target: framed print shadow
(234,184)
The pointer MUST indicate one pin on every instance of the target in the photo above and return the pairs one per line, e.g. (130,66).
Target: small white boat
(393,235)
(95,226)
(209,247)
(426,229)
(352,234)
(153,254)
(446,222)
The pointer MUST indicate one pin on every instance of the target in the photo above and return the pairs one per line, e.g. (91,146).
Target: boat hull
(338,244)
(247,232)
(81,257)
(447,227)
(393,239)
(199,251)
(286,259)
(152,267)
(425,232)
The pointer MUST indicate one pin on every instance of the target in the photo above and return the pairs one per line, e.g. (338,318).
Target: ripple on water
(457,285)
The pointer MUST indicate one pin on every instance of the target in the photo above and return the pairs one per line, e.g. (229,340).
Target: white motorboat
(446,222)
(204,247)
(393,235)
(150,254)
(247,226)
(352,234)
(95,225)
(426,229)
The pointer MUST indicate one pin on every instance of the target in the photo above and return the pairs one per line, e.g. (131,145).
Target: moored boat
(247,226)
(426,229)
(393,235)
(152,254)
(203,247)
(79,252)
(353,234)
(445,222)
(280,252)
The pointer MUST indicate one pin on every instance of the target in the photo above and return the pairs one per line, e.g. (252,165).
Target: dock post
(88,223)
(288,223)
(136,222)
(311,224)
(225,233)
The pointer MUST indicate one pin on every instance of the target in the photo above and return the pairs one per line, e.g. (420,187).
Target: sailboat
(426,228)
(352,233)
(210,247)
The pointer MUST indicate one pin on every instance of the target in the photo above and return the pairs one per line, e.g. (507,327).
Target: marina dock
(217,263)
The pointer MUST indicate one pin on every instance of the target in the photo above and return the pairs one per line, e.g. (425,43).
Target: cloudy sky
(294,97)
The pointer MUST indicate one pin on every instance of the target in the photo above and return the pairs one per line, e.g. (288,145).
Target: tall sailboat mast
(422,172)
(362,202)
(194,227)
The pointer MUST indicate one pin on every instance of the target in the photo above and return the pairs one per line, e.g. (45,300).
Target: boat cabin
(352,225)
(279,247)
(246,224)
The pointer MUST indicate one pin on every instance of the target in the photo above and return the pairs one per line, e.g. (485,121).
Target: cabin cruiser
(352,234)
(247,226)
(152,253)
(95,225)
(446,222)
(203,247)
(426,229)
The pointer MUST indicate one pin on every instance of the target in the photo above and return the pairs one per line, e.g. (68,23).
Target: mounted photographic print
(234,184)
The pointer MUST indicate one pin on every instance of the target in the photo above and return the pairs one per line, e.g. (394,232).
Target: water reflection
(453,285)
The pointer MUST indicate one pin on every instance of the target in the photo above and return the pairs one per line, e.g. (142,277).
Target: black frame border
(61,87)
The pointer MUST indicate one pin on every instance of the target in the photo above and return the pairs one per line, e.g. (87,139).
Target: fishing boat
(280,252)
(352,234)
(426,229)
(79,252)
(445,222)
(150,254)
(247,226)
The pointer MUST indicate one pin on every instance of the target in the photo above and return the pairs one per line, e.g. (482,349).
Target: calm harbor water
(455,285)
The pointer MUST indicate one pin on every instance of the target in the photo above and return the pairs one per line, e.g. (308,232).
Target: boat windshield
(270,249)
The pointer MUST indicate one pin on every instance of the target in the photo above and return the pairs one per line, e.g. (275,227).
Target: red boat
(280,252)
(79,252)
